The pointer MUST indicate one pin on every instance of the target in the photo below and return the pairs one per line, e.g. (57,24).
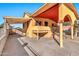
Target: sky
(17,10)
(76,5)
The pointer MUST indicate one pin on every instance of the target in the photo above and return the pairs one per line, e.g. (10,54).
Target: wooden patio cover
(51,11)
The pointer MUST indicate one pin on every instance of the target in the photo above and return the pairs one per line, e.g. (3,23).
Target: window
(46,23)
(38,23)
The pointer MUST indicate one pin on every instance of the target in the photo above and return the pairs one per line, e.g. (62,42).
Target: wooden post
(72,31)
(5,26)
(61,34)
(76,32)
(37,34)
(8,26)
(76,27)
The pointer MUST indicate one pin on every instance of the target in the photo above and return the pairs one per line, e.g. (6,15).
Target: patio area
(13,47)
(49,47)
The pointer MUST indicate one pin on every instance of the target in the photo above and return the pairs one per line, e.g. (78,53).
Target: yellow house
(41,22)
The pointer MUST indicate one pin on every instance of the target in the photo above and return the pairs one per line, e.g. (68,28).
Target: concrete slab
(48,47)
(13,47)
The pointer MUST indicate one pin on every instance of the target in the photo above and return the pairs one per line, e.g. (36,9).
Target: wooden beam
(61,34)
(24,27)
(14,20)
(5,27)
(38,33)
(72,31)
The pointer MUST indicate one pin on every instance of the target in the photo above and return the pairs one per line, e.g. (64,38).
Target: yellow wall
(50,22)
(64,10)
(32,27)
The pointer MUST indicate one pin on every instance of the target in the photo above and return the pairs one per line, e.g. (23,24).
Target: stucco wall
(63,11)
(32,27)
(50,22)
